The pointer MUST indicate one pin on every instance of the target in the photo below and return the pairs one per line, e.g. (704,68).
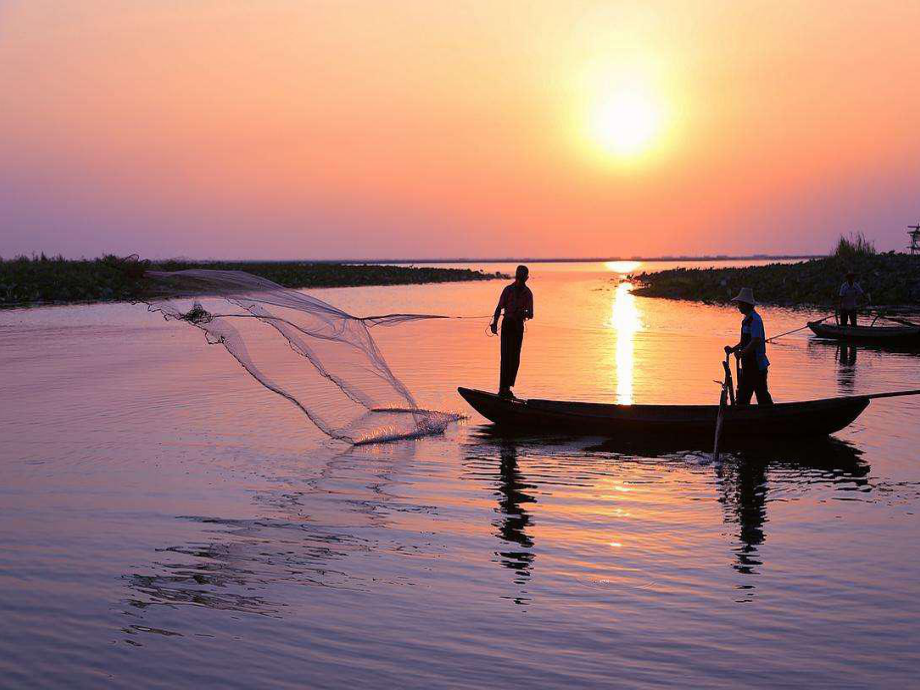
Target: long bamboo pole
(796,330)
(892,394)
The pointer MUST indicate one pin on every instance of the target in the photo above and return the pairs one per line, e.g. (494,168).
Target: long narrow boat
(895,336)
(792,419)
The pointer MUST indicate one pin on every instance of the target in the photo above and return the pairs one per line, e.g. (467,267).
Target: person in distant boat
(751,352)
(517,302)
(848,299)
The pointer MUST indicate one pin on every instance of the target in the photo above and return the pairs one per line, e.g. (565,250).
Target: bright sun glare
(626,123)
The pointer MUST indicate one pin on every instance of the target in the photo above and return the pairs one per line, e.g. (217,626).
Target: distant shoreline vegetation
(39,280)
(891,279)
(595,260)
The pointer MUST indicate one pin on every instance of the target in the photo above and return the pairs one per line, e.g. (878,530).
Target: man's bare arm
(498,311)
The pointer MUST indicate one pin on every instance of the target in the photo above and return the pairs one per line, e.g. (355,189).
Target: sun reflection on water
(626,322)
(622,266)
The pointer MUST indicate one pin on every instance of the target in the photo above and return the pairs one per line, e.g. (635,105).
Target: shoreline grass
(41,281)
(891,279)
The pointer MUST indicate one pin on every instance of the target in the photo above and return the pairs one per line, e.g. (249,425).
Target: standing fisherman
(848,299)
(517,301)
(752,351)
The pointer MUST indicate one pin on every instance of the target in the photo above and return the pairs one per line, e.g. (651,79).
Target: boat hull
(894,336)
(813,418)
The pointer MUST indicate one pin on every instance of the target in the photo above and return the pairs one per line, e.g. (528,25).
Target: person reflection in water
(744,496)
(846,370)
(752,352)
(512,527)
(517,302)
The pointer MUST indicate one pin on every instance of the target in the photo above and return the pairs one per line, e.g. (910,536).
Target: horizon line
(599,259)
(462,259)
(498,260)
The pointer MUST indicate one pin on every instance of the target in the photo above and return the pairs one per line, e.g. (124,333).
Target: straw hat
(746,295)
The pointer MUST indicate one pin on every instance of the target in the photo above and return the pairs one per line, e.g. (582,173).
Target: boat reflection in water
(744,477)
(326,527)
(849,358)
(743,480)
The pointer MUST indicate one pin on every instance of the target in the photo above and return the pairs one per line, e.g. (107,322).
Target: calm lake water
(167,522)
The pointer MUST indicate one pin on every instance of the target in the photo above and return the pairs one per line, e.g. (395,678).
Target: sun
(626,123)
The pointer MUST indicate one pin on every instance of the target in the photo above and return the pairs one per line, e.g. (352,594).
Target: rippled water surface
(166,522)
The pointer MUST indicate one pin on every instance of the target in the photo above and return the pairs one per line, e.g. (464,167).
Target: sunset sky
(412,129)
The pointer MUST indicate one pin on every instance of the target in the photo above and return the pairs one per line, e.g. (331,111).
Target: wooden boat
(793,419)
(895,336)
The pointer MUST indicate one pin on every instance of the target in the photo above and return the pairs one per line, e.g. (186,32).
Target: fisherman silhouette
(517,303)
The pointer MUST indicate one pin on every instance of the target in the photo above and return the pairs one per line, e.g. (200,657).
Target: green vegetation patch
(890,279)
(36,280)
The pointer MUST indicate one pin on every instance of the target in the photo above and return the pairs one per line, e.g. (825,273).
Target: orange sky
(368,129)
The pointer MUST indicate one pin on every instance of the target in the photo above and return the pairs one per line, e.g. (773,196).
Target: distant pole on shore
(914,232)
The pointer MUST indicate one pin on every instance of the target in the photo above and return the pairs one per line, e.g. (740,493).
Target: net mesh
(348,391)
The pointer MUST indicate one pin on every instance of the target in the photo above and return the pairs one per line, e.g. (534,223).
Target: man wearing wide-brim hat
(752,352)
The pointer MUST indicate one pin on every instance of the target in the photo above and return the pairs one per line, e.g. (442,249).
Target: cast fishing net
(346,388)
